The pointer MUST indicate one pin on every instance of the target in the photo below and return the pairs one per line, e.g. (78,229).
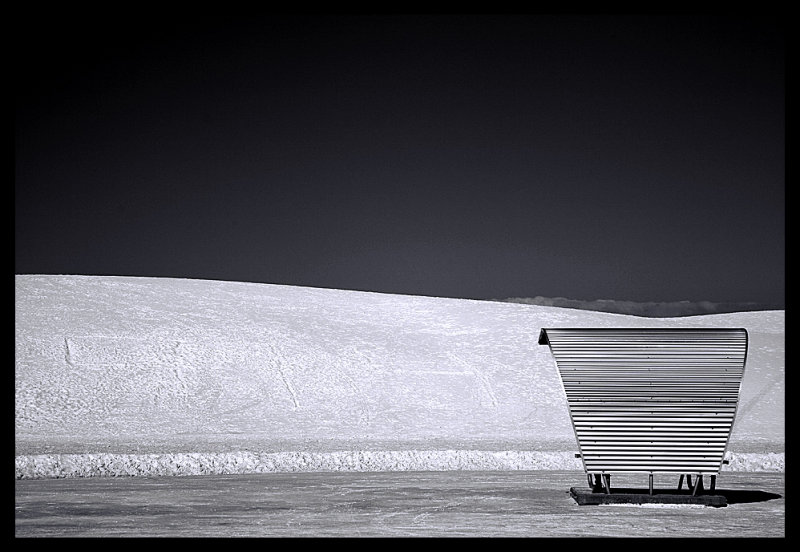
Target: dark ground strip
(382,504)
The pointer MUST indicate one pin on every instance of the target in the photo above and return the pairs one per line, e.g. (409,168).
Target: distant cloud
(646,309)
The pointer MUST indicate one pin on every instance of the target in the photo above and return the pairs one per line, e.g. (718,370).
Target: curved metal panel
(650,399)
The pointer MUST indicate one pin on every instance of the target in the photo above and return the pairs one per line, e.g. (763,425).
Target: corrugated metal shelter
(650,400)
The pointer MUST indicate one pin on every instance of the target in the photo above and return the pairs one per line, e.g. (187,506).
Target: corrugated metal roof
(650,399)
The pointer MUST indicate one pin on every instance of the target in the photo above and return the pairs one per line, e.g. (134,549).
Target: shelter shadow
(745,497)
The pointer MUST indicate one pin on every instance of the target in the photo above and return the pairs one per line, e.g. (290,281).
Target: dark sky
(588,157)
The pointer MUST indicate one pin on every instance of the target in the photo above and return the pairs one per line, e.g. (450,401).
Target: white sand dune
(124,375)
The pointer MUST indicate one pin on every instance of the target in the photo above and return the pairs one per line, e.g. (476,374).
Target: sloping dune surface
(128,374)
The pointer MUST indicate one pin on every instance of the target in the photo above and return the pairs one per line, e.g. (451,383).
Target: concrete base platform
(586,497)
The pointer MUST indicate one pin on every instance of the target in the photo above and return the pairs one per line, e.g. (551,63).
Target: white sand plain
(145,376)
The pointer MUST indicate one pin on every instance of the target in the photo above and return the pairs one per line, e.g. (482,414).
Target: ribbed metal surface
(650,400)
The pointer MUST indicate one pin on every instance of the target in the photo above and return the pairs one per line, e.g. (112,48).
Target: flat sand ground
(383,504)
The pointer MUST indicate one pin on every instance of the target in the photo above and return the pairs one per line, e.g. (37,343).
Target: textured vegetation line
(48,466)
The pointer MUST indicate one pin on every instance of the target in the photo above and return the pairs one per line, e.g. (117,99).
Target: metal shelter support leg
(713,483)
(606,477)
(651,483)
(698,485)
(596,484)
(680,482)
